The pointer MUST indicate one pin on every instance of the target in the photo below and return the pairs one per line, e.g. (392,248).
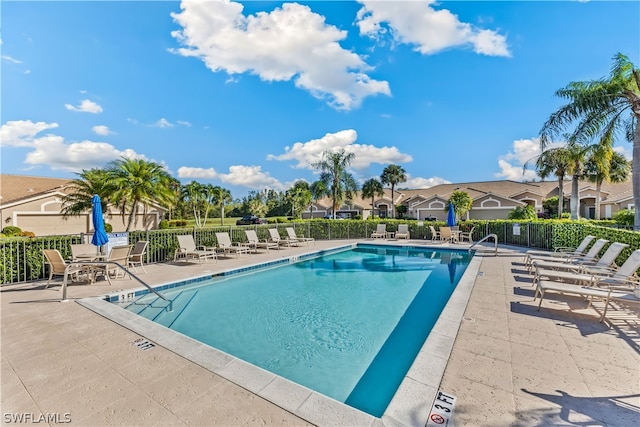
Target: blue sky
(247,95)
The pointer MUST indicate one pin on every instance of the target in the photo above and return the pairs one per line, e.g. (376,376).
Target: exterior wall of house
(43,217)
(493,213)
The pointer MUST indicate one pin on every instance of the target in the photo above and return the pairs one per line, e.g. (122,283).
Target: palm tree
(372,188)
(598,110)
(318,191)
(299,196)
(221,196)
(606,165)
(82,189)
(334,175)
(554,161)
(578,155)
(137,181)
(393,174)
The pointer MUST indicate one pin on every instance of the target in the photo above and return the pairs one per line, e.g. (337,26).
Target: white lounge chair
(274,237)
(605,264)
(380,233)
(187,249)
(255,243)
(561,251)
(591,255)
(228,247)
(293,236)
(403,231)
(593,284)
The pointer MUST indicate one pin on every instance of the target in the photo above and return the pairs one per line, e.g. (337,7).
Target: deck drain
(480,273)
(143,344)
(469,319)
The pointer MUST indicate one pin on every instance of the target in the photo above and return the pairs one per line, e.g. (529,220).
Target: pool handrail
(126,270)
(495,242)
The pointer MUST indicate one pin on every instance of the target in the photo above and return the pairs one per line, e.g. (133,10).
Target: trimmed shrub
(11,230)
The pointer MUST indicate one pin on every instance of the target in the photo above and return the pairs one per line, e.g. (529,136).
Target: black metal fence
(22,259)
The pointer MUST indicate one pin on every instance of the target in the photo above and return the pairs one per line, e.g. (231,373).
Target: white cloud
(101,130)
(626,152)
(11,59)
(251,177)
(184,123)
(307,153)
(429,30)
(52,151)
(188,172)
(86,106)
(288,43)
(162,123)
(511,164)
(21,133)
(419,182)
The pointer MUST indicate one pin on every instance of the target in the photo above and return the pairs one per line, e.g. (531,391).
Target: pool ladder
(126,270)
(487,237)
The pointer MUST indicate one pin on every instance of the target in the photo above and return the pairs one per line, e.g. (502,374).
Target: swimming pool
(347,324)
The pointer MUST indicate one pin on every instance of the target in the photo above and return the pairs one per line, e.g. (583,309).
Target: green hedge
(22,260)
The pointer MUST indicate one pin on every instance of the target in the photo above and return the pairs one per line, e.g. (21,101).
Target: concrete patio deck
(510,364)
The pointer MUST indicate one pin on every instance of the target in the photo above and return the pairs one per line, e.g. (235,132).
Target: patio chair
(137,255)
(228,247)
(591,255)
(605,264)
(592,276)
(561,251)
(254,242)
(83,251)
(380,233)
(292,235)
(274,237)
(435,234)
(187,250)
(119,254)
(467,235)
(621,285)
(448,235)
(403,231)
(57,266)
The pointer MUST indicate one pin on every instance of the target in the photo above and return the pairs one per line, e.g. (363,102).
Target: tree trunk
(575,201)
(222,213)
(393,210)
(560,197)
(132,214)
(636,174)
(598,188)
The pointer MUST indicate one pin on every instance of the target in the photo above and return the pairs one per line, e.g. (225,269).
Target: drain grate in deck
(143,344)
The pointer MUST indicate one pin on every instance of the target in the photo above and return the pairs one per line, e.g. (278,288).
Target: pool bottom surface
(347,325)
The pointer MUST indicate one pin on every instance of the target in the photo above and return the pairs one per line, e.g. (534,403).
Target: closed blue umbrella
(451,217)
(99,235)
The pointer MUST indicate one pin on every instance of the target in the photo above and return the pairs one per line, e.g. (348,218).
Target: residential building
(35,203)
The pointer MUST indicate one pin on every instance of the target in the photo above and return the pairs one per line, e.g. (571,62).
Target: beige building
(491,200)
(35,203)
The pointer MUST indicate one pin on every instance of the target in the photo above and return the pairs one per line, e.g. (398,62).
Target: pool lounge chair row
(587,275)
(382,233)
(188,250)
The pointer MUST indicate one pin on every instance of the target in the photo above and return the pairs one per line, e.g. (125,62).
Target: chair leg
(49,281)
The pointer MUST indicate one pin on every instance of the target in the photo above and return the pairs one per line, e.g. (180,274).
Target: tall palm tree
(372,188)
(333,173)
(598,110)
(577,156)
(318,191)
(554,161)
(221,197)
(606,165)
(393,174)
(137,181)
(82,189)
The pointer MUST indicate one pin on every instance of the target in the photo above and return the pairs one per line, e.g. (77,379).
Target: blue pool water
(347,325)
